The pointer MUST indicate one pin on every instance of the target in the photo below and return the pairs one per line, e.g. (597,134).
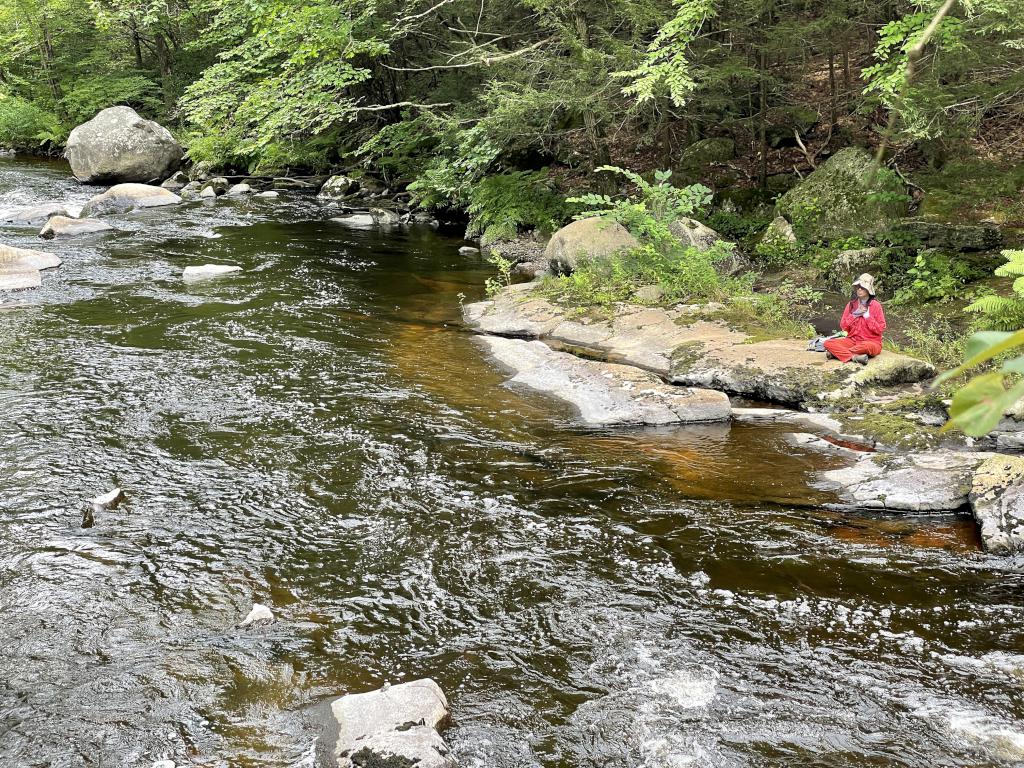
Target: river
(318,433)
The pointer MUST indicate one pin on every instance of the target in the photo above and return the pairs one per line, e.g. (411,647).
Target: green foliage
(685,275)
(736,227)
(494,285)
(650,210)
(782,312)
(503,204)
(1004,313)
(934,276)
(930,337)
(24,125)
(979,405)
(89,95)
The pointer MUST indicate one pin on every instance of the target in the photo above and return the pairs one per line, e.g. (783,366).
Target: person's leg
(869,348)
(840,349)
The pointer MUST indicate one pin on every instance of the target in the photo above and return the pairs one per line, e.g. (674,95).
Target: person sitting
(864,323)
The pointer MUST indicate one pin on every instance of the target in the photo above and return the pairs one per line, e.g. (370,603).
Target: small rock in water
(109,500)
(468,250)
(207,192)
(207,271)
(356,220)
(258,613)
(269,193)
(239,189)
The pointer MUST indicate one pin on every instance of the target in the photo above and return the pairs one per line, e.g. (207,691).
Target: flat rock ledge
(685,349)
(997,498)
(605,394)
(393,727)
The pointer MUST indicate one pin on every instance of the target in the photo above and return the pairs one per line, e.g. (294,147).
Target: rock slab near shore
(689,349)
(396,725)
(605,394)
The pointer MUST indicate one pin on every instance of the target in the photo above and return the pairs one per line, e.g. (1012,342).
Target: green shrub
(503,204)
(24,125)
(736,227)
(934,276)
(930,337)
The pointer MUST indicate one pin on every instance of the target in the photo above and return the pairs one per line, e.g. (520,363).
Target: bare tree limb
(485,62)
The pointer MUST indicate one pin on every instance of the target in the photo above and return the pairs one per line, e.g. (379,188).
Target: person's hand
(859,312)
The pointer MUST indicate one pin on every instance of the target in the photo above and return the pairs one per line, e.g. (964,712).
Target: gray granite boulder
(940,481)
(63,226)
(128,197)
(338,187)
(395,726)
(120,146)
(592,239)
(997,498)
(605,394)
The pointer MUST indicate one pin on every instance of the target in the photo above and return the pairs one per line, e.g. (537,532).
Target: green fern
(1004,313)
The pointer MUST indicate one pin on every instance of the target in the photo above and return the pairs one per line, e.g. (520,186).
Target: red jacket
(869,328)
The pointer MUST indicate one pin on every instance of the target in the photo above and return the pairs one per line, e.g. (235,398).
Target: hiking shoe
(862,359)
(829,355)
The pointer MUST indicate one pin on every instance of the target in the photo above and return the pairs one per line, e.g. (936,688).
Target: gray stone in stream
(177,181)
(592,239)
(356,220)
(119,146)
(396,726)
(338,187)
(17,280)
(268,193)
(62,226)
(468,250)
(206,271)
(239,189)
(33,214)
(385,217)
(916,482)
(219,184)
(123,198)
(19,259)
(208,193)
(605,394)
(997,498)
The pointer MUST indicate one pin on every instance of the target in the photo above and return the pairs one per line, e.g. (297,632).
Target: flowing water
(319,434)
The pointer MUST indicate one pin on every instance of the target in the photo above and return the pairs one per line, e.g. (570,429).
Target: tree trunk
(47,57)
(832,86)
(163,57)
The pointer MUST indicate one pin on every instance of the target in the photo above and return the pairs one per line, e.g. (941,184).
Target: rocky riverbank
(880,416)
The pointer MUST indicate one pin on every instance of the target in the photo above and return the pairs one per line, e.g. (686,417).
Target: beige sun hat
(867,282)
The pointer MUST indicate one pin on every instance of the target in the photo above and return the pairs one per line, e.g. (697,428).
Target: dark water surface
(318,434)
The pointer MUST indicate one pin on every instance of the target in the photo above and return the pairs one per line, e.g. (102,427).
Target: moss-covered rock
(997,498)
(954,237)
(840,199)
(701,154)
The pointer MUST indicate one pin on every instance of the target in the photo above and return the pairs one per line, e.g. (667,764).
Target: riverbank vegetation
(522,114)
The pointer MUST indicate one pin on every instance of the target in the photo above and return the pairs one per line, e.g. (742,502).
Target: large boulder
(62,226)
(605,394)
(128,197)
(997,498)
(592,239)
(392,727)
(120,146)
(840,199)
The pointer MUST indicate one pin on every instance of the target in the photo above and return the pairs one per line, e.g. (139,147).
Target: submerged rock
(62,226)
(605,394)
(396,726)
(939,481)
(997,498)
(837,200)
(123,198)
(357,220)
(33,214)
(108,500)
(120,146)
(592,239)
(207,271)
